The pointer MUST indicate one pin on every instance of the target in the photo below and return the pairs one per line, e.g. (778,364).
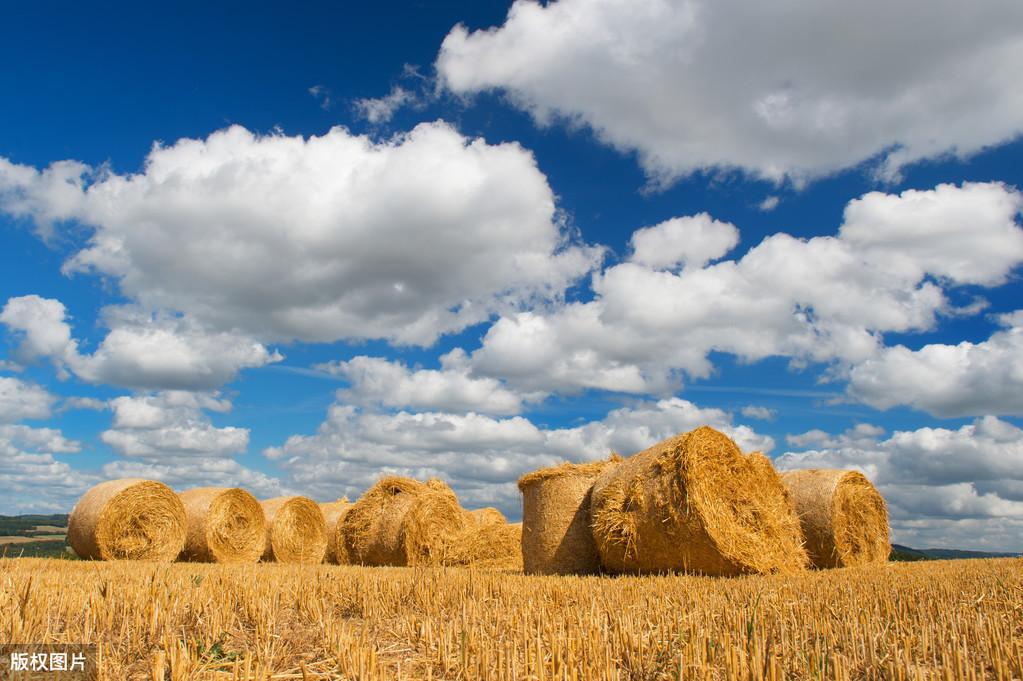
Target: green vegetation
(25,525)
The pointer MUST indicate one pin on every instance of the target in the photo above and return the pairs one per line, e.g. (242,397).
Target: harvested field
(935,620)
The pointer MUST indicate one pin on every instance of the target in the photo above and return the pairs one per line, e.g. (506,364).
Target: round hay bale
(401,521)
(225,525)
(844,518)
(487,516)
(295,530)
(493,545)
(128,519)
(556,536)
(695,503)
(333,512)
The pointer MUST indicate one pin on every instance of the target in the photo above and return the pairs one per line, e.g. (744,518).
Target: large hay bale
(556,536)
(488,541)
(128,519)
(225,525)
(487,516)
(844,518)
(295,530)
(333,513)
(695,503)
(401,521)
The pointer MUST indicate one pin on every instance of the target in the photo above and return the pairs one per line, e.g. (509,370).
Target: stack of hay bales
(295,531)
(487,541)
(333,513)
(128,519)
(556,536)
(844,519)
(224,526)
(695,503)
(401,521)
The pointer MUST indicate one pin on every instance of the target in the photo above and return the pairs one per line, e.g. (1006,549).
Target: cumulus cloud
(320,239)
(481,456)
(968,379)
(824,299)
(20,400)
(378,110)
(933,478)
(797,92)
(692,241)
(143,351)
(752,411)
(31,478)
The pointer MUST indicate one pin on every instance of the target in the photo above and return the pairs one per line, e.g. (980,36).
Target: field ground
(927,620)
(34,538)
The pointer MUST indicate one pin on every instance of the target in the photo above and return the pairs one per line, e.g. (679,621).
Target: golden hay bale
(487,541)
(333,512)
(225,525)
(844,517)
(295,530)
(400,521)
(695,503)
(128,519)
(556,537)
(487,516)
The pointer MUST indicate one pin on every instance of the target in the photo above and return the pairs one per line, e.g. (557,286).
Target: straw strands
(333,513)
(128,519)
(844,518)
(224,526)
(295,530)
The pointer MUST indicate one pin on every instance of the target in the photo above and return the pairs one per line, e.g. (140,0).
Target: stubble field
(936,620)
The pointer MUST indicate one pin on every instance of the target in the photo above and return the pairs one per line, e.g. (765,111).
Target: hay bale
(487,516)
(128,519)
(695,503)
(844,518)
(333,512)
(225,525)
(488,541)
(295,530)
(401,521)
(556,537)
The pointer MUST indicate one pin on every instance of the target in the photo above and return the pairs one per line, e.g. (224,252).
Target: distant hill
(905,553)
(25,525)
(37,536)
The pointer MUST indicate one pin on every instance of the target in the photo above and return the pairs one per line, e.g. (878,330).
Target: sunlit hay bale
(295,530)
(487,516)
(556,536)
(128,519)
(401,521)
(695,503)
(224,526)
(844,518)
(333,512)
(489,541)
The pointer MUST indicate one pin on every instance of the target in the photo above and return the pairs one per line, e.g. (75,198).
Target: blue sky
(294,249)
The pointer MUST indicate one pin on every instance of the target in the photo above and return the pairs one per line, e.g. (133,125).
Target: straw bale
(128,519)
(844,518)
(333,512)
(225,525)
(295,530)
(493,545)
(556,536)
(401,521)
(695,503)
(487,516)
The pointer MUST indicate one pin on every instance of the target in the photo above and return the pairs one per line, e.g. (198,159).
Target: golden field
(935,620)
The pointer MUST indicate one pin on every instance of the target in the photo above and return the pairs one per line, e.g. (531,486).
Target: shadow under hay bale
(225,525)
(843,516)
(128,519)
(401,521)
(295,531)
(556,536)
(695,503)
(333,513)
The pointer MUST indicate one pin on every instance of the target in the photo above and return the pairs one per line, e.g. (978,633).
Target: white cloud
(691,241)
(141,350)
(967,379)
(31,479)
(822,299)
(797,91)
(481,456)
(320,239)
(20,400)
(769,203)
(752,411)
(381,109)
(322,95)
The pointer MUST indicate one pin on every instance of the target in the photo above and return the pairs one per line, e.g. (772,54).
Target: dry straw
(128,519)
(488,541)
(333,513)
(487,516)
(225,525)
(556,536)
(695,503)
(295,530)
(844,517)
(401,521)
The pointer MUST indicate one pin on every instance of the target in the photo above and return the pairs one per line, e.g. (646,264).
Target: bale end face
(225,525)
(296,531)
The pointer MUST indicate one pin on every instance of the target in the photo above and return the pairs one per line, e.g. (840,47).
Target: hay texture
(556,536)
(487,516)
(695,503)
(843,516)
(128,519)
(295,530)
(333,513)
(401,521)
(225,525)
(488,541)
